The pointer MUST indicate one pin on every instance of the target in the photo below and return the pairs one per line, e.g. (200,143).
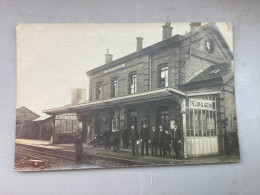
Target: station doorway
(132,119)
(163,118)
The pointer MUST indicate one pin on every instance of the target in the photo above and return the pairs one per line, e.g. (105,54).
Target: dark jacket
(78,143)
(107,136)
(167,139)
(176,135)
(144,134)
(125,134)
(116,135)
(160,136)
(153,136)
(134,135)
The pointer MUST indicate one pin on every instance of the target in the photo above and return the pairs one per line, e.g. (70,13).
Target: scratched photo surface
(106,95)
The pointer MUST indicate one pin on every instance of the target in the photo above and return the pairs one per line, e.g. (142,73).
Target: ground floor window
(66,123)
(66,126)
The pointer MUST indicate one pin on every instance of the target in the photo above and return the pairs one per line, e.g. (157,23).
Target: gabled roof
(25,108)
(43,117)
(220,36)
(212,72)
(172,41)
(213,75)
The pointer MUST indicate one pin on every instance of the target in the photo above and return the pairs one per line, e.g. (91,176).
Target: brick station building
(186,79)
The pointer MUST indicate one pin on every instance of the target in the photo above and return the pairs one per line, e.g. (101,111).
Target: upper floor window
(163,76)
(99,91)
(114,87)
(132,83)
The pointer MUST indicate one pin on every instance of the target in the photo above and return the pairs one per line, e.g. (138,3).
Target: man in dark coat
(161,139)
(125,138)
(153,140)
(167,144)
(78,146)
(107,139)
(176,139)
(116,140)
(134,136)
(144,135)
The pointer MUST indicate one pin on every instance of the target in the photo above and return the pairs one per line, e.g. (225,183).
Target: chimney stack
(108,57)
(78,96)
(194,26)
(167,30)
(139,45)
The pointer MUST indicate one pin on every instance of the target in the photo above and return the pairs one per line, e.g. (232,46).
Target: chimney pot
(139,45)
(108,57)
(167,30)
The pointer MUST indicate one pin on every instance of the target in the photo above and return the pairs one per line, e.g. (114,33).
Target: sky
(53,58)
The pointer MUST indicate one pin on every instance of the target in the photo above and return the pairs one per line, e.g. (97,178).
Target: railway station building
(184,79)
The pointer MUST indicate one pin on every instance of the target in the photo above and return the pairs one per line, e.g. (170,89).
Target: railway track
(46,153)
(38,158)
(51,158)
(60,158)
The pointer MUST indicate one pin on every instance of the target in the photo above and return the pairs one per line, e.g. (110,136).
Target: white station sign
(67,117)
(114,68)
(201,104)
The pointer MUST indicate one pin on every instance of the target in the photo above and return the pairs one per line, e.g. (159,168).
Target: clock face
(210,46)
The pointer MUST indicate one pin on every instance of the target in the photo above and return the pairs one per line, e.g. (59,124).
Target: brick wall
(168,57)
(230,107)
(139,65)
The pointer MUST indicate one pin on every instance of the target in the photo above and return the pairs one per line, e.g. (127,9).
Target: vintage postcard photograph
(107,95)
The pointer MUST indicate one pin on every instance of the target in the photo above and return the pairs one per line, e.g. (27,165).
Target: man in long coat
(167,144)
(125,136)
(107,139)
(78,146)
(144,135)
(134,136)
(176,139)
(116,140)
(153,139)
(161,139)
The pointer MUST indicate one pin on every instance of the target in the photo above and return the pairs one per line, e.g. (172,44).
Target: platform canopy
(153,95)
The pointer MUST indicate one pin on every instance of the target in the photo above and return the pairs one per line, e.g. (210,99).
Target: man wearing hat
(134,136)
(153,139)
(176,138)
(161,139)
(78,145)
(144,135)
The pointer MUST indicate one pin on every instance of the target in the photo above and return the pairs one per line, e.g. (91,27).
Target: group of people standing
(162,140)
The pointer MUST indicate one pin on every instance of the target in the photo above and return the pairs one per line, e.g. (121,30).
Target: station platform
(126,154)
